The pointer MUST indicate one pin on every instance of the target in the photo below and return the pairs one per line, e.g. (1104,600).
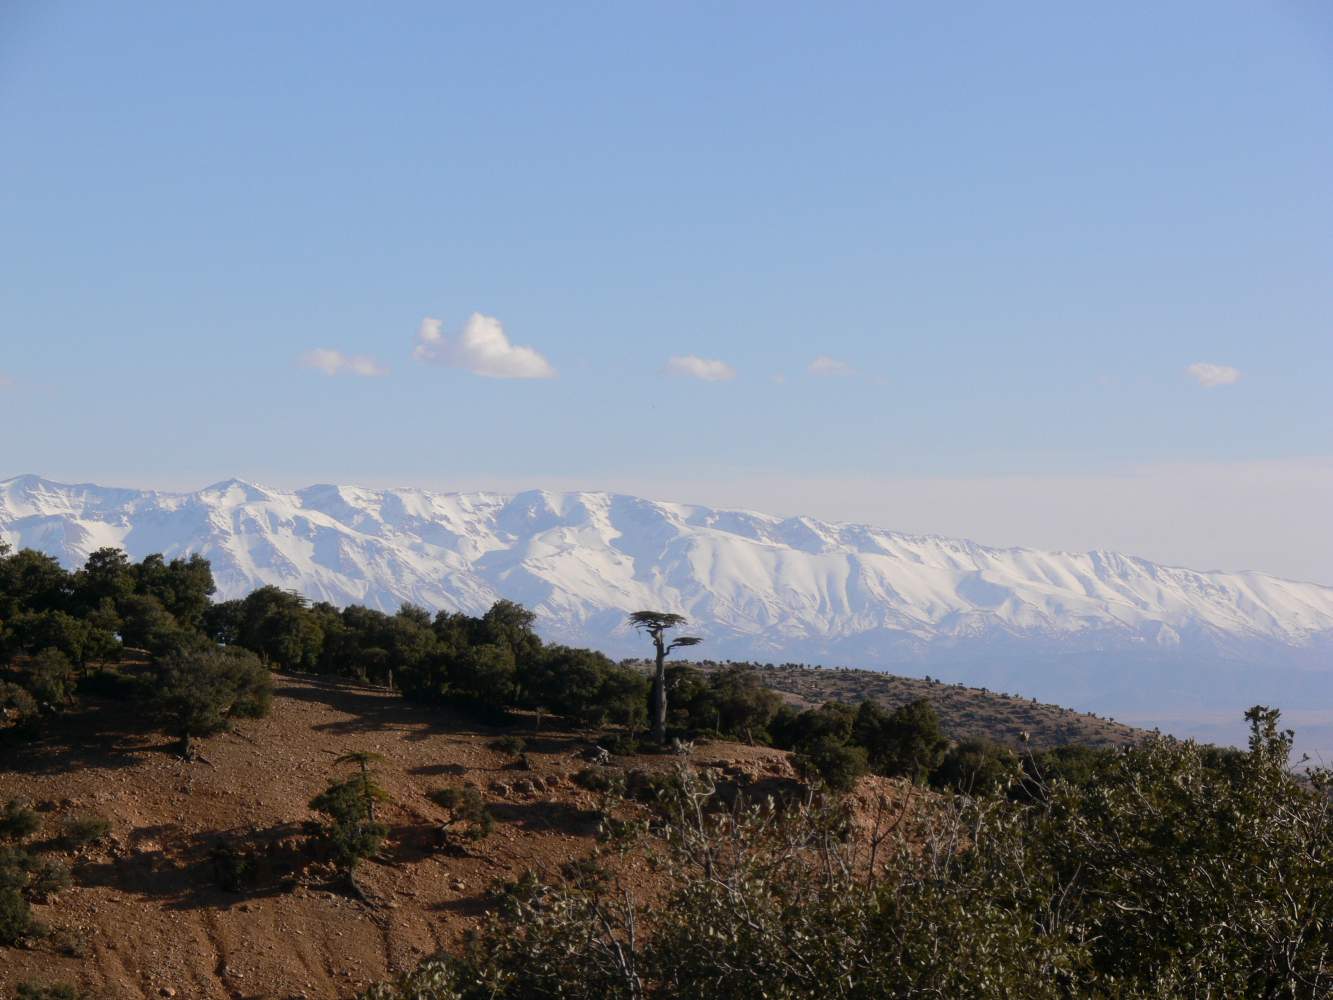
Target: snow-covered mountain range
(1095,629)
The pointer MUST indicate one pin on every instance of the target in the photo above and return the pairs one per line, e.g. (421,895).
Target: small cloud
(779,378)
(482,349)
(824,365)
(5,381)
(691,366)
(332,362)
(1210,375)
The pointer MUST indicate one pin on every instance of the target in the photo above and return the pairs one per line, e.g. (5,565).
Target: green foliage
(977,767)
(836,764)
(1176,873)
(146,624)
(16,920)
(50,677)
(511,744)
(234,866)
(600,779)
(731,702)
(18,821)
(47,877)
(16,704)
(199,692)
(83,829)
(467,810)
(584,686)
(435,979)
(349,806)
(30,990)
(485,676)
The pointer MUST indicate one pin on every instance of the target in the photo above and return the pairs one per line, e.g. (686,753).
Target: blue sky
(1013,227)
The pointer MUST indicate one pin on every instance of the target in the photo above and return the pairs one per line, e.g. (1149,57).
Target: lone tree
(352,831)
(655,624)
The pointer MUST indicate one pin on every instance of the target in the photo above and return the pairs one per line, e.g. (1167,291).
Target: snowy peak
(752,583)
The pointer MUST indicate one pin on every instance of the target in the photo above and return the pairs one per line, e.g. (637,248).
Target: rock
(167,991)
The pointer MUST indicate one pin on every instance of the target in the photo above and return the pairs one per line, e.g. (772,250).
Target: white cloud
(333,362)
(1209,374)
(482,349)
(691,366)
(5,381)
(824,365)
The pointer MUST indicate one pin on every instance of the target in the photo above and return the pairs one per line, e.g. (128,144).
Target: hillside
(145,903)
(1097,630)
(965,712)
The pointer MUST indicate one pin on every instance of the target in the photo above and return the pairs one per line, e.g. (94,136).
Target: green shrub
(651,786)
(46,878)
(16,920)
(1175,874)
(68,941)
(47,991)
(510,744)
(84,829)
(234,867)
(18,821)
(467,809)
(977,767)
(198,692)
(50,677)
(16,703)
(837,765)
(601,779)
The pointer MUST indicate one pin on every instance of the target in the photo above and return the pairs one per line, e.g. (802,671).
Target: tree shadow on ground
(549,817)
(104,735)
(187,872)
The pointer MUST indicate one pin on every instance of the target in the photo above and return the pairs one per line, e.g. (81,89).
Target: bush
(199,692)
(624,746)
(600,779)
(352,830)
(18,821)
(16,921)
(434,979)
(651,786)
(511,744)
(234,867)
(466,808)
(70,942)
(977,767)
(47,878)
(16,703)
(84,829)
(50,677)
(1175,874)
(47,991)
(837,765)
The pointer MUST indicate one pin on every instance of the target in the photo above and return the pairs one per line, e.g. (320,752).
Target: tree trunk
(659,695)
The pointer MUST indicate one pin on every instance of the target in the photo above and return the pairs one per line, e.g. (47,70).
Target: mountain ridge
(755,585)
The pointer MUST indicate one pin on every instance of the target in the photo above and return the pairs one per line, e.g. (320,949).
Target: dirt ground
(146,912)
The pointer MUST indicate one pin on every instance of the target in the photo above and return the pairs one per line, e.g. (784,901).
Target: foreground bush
(1167,877)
